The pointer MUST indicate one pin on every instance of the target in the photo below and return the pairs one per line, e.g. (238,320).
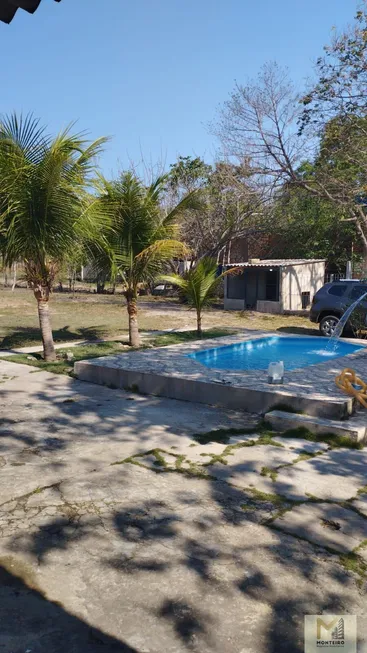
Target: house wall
(233,304)
(296,279)
(265,306)
(293,281)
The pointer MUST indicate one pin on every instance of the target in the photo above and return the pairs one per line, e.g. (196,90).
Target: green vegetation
(85,315)
(63,366)
(353,562)
(266,497)
(160,464)
(84,352)
(268,471)
(222,435)
(187,336)
(44,208)
(334,441)
(198,285)
(141,236)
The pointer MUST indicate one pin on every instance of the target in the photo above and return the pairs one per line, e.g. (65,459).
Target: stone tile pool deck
(168,372)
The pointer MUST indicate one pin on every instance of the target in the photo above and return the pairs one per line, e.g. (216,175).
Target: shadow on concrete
(31,622)
(267,574)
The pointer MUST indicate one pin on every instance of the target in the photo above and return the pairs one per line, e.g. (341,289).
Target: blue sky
(151,74)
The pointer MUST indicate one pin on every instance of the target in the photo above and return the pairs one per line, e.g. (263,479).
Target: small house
(273,285)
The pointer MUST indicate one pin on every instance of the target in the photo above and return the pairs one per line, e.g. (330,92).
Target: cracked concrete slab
(122,559)
(161,562)
(244,465)
(299,445)
(336,475)
(326,524)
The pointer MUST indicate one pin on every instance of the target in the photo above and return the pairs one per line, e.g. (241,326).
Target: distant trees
(230,206)
(44,211)
(341,77)
(272,129)
(305,225)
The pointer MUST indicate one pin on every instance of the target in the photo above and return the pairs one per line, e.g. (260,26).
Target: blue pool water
(257,354)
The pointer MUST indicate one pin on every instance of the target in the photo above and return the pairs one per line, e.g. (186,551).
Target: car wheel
(328,325)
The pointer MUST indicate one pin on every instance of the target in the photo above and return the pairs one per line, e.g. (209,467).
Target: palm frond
(148,264)
(191,202)
(44,208)
(198,285)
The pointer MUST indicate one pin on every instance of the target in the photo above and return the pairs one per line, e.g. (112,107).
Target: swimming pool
(257,354)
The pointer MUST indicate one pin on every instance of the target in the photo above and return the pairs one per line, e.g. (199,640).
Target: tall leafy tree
(43,207)
(230,207)
(341,76)
(307,226)
(141,238)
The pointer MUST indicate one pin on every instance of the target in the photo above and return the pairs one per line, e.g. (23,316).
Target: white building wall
(296,279)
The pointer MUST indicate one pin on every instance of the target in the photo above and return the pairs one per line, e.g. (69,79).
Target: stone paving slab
(200,453)
(361,503)
(336,475)
(299,445)
(326,524)
(244,465)
(235,439)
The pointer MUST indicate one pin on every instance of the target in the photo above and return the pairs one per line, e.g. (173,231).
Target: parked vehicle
(165,289)
(332,300)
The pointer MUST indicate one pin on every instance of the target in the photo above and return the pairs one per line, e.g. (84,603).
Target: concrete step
(354,428)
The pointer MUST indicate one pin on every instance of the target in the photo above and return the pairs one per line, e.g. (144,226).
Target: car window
(337,289)
(358,291)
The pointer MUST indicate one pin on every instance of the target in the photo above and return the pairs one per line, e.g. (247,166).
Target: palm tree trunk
(198,322)
(14,276)
(132,309)
(49,353)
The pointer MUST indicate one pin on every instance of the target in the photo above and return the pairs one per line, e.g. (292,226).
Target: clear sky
(151,73)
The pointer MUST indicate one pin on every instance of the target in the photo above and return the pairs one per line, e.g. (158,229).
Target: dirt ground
(90,316)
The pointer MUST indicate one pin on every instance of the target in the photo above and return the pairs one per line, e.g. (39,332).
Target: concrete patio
(119,531)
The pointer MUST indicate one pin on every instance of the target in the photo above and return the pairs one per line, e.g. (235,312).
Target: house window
(305,297)
(272,285)
(236,286)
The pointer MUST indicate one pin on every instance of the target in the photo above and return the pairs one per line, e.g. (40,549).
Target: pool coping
(169,372)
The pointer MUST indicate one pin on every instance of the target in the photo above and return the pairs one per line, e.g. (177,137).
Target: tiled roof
(276,262)
(8,8)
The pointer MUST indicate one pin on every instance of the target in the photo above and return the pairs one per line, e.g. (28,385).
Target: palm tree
(141,237)
(198,285)
(43,204)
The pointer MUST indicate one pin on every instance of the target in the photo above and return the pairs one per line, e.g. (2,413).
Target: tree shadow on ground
(300,331)
(267,576)
(30,621)
(30,336)
(189,624)
(268,569)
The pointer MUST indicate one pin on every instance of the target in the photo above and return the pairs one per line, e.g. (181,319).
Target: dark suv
(332,300)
